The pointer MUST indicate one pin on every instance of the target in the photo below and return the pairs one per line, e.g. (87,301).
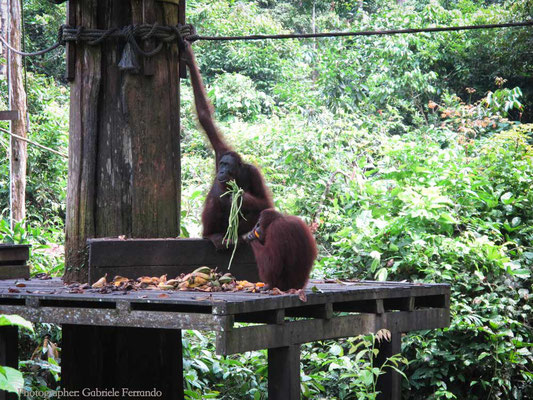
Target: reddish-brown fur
(285,251)
(216,208)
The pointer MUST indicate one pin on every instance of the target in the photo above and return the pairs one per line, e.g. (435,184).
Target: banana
(203,270)
(202,275)
(225,279)
(165,287)
(198,280)
(100,283)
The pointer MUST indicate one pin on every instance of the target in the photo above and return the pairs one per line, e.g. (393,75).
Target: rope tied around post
(132,33)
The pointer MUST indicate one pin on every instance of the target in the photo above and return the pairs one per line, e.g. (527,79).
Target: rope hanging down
(178,33)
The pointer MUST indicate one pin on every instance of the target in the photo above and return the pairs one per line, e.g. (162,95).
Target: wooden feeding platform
(132,339)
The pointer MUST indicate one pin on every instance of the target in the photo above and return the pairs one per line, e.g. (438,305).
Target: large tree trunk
(19,127)
(124,151)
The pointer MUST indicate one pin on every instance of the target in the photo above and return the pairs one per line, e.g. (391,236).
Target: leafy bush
(11,380)
(346,368)
(46,172)
(235,96)
(46,254)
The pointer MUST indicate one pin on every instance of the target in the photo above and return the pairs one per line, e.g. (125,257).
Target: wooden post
(19,126)
(389,385)
(8,353)
(182,16)
(124,151)
(284,373)
(70,47)
(118,359)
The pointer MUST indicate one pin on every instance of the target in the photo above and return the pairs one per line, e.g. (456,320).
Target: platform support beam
(110,358)
(390,384)
(8,353)
(284,373)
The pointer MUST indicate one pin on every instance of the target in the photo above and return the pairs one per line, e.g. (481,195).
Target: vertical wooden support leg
(8,353)
(284,373)
(389,385)
(181,19)
(109,358)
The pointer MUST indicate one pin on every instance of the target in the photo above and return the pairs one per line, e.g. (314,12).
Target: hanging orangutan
(228,166)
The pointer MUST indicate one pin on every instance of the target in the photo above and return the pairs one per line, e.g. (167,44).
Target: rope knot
(79,32)
(188,32)
(151,33)
(61,34)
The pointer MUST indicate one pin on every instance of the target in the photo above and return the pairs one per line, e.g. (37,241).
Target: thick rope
(368,33)
(33,143)
(24,54)
(179,33)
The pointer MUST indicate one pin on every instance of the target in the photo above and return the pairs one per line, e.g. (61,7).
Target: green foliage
(42,19)
(11,380)
(347,369)
(46,251)
(235,96)
(261,61)
(15,320)
(210,376)
(46,172)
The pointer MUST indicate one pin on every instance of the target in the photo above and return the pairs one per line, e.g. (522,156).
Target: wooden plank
(297,332)
(117,359)
(365,306)
(359,293)
(137,257)
(430,301)
(324,311)
(70,49)
(8,353)
(268,317)
(182,7)
(240,271)
(52,293)
(389,384)
(14,271)
(403,304)
(143,252)
(9,115)
(9,253)
(148,17)
(84,136)
(284,373)
(223,303)
(121,318)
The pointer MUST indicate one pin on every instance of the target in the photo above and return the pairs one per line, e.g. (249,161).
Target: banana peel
(100,283)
